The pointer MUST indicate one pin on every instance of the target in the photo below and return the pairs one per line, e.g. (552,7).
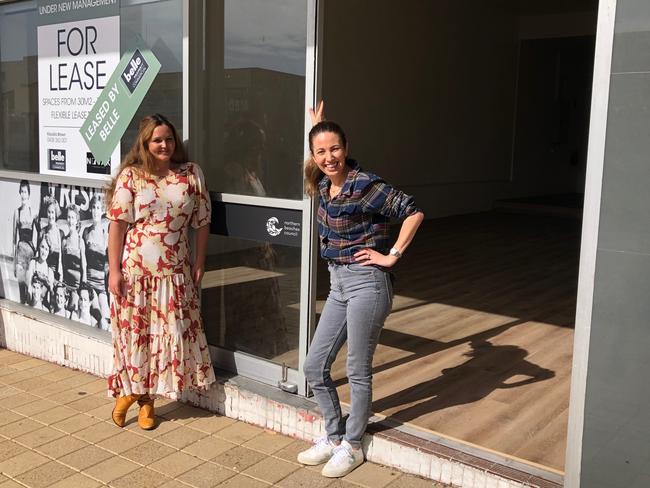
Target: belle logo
(56,159)
(134,71)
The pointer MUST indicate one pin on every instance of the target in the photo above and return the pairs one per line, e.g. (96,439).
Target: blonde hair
(139,155)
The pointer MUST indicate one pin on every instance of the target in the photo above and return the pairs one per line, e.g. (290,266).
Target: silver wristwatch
(395,252)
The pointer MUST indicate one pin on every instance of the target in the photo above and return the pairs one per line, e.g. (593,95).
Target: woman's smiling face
(329,153)
(162,144)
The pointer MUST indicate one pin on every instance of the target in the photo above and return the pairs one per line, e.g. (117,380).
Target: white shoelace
(342,454)
(320,443)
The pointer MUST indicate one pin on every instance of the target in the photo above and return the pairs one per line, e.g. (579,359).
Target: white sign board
(75,61)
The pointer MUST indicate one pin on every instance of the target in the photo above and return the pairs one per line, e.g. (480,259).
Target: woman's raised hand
(317,115)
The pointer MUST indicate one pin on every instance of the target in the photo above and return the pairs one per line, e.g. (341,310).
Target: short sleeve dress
(159,345)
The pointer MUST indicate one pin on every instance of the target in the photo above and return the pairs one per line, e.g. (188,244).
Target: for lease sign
(78,49)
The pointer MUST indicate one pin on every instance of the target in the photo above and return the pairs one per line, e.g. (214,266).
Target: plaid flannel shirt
(359,216)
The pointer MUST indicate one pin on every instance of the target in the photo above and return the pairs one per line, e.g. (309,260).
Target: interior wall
(427,93)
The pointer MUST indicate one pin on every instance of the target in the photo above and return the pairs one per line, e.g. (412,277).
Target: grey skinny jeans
(359,301)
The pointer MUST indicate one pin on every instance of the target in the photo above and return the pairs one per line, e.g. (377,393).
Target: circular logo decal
(271,227)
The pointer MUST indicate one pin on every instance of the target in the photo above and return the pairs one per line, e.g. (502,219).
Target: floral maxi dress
(159,345)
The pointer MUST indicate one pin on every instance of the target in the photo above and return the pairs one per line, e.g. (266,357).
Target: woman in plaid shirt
(353,219)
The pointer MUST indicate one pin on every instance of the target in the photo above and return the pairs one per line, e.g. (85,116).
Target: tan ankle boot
(146,417)
(122,404)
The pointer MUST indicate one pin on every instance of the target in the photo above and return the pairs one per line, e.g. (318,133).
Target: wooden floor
(479,344)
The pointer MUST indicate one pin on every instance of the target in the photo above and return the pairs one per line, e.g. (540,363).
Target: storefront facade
(237,77)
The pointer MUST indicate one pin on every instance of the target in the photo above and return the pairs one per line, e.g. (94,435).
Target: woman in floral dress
(159,345)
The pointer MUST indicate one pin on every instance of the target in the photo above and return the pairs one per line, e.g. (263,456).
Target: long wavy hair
(313,174)
(139,155)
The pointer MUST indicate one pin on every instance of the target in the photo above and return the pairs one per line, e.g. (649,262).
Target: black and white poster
(53,256)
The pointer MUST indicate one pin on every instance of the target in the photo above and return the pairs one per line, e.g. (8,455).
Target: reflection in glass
(247,95)
(160,25)
(250,298)
(18,87)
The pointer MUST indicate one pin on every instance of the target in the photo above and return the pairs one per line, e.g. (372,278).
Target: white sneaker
(343,461)
(320,452)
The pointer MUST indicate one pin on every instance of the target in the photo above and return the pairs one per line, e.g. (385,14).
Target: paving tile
(175,464)
(304,477)
(339,483)
(6,391)
(174,484)
(44,369)
(103,412)
(75,423)
(99,388)
(8,417)
(410,481)
(92,385)
(53,415)
(238,458)
(140,478)
(77,480)
(28,364)
(290,453)
(21,398)
(211,424)
(9,379)
(242,481)
(373,475)
(21,463)
(60,447)
(268,442)
(163,426)
(5,368)
(123,441)
(181,437)
(164,407)
(239,432)
(32,385)
(97,432)
(206,475)
(271,469)
(30,409)
(8,355)
(20,427)
(111,469)
(44,476)
(185,414)
(148,452)
(86,403)
(209,447)
(61,374)
(85,457)
(11,484)
(66,397)
(62,386)
(39,437)
(9,449)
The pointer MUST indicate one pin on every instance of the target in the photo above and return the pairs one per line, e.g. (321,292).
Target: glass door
(251,75)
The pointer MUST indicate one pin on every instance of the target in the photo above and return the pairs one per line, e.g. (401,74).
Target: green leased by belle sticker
(118,102)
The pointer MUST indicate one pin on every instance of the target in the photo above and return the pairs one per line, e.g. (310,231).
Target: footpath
(56,432)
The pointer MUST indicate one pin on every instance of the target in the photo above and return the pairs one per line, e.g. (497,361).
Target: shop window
(159,23)
(18,87)
(247,95)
